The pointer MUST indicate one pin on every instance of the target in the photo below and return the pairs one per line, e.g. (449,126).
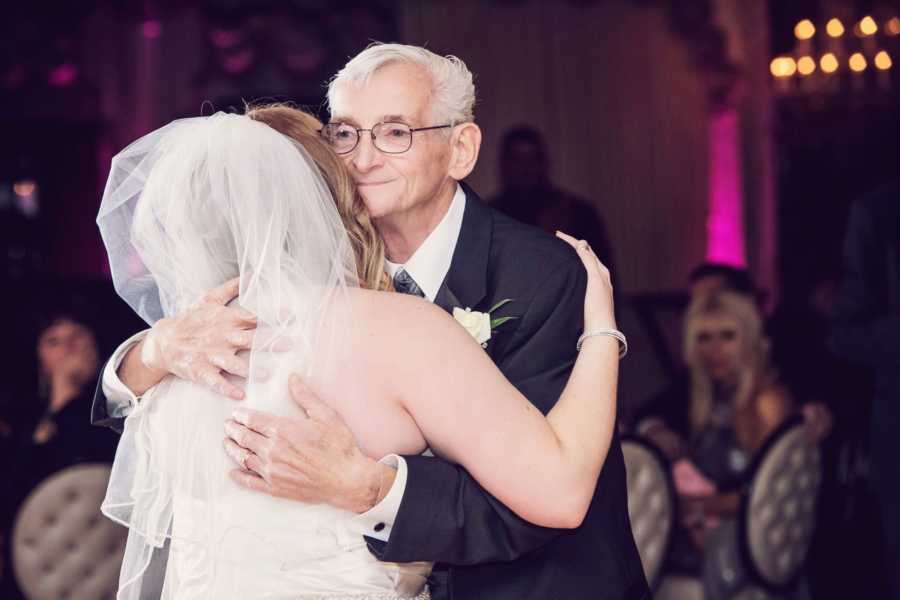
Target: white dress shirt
(428,266)
(430,263)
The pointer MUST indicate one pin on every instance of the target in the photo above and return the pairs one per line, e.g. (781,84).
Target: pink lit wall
(725,223)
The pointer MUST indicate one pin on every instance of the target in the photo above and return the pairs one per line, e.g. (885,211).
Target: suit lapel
(446,299)
(466,282)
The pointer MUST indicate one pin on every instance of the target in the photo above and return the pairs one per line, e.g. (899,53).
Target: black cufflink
(379,527)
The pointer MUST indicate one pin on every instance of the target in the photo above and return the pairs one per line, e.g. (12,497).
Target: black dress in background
(26,464)
(74,441)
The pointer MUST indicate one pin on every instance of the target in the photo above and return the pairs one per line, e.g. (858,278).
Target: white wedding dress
(229,542)
(186,208)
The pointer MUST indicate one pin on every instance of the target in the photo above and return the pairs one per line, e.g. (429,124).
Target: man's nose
(366,156)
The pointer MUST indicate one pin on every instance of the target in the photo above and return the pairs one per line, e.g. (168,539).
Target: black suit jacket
(483,550)
(866,328)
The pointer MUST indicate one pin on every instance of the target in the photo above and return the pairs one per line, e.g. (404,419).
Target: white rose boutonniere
(479,324)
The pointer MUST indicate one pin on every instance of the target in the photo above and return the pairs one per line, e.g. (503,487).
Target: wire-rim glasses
(390,138)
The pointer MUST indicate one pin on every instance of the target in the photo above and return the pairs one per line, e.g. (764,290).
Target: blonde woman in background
(736,402)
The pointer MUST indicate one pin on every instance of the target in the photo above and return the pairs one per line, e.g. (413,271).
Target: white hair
(452,92)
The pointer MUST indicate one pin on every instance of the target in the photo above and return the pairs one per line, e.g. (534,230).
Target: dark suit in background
(483,549)
(529,195)
(867,330)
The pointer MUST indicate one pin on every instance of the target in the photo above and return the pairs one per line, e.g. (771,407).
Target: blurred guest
(735,403)
(664,418)
(529,196)
(867,330)
(45,422)
(50,425)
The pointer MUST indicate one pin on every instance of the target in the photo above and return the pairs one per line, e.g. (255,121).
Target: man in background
(866,330)
(529,196)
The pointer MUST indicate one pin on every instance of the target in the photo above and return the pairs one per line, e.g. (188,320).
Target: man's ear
(465,145)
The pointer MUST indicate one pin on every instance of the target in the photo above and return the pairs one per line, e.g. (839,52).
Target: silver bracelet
(613,333)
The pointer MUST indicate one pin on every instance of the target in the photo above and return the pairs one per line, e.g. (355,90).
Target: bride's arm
(544,469)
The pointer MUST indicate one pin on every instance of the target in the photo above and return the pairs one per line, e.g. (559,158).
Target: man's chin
(378,205)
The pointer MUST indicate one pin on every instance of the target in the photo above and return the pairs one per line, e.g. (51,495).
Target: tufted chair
(651,503)
(62,546)
(778,512)
(775,522)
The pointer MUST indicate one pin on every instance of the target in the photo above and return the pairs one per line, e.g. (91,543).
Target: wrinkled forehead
(394,92)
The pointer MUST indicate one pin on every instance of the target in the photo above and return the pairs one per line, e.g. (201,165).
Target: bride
(261,197)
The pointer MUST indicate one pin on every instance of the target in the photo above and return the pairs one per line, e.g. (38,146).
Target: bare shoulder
(406,325)
(382,306)
(775,401)
(399,315)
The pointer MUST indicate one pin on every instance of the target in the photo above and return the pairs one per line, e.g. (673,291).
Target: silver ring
(247,454)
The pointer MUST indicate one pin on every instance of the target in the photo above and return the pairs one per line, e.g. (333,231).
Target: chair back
(778,512)
(651,503)
(62,546)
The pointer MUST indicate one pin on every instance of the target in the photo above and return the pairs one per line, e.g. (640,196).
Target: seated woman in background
(46,418)
(734,404)
(51,425)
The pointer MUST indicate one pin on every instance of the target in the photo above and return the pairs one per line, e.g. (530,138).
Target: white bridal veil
(186,208)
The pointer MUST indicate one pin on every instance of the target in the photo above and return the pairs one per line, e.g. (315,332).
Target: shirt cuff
(378,521)
(119,399)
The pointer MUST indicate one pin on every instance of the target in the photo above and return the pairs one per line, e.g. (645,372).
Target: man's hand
(314,459)
(200,345)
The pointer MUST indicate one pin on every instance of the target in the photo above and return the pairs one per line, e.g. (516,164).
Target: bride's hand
(203,343)
(598,297)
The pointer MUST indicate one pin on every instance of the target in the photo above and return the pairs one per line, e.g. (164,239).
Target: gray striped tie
(405,284)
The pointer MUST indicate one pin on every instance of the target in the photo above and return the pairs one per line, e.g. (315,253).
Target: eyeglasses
(390,138)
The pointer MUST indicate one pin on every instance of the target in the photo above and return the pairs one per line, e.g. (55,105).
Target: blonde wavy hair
(304,129)
(754,370)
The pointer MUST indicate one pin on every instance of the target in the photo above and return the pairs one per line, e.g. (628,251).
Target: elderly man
(443,244)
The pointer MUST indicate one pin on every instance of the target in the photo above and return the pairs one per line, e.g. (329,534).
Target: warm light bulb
(829,63)
(804,29)
(806,65)
(783,66)
(892,27)
(867,26)
(883,61)
(835,28)
(857,62)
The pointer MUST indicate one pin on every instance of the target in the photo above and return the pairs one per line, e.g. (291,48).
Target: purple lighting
(63,75)
(238,62)
(151,29)
(725,223)
(222,38)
